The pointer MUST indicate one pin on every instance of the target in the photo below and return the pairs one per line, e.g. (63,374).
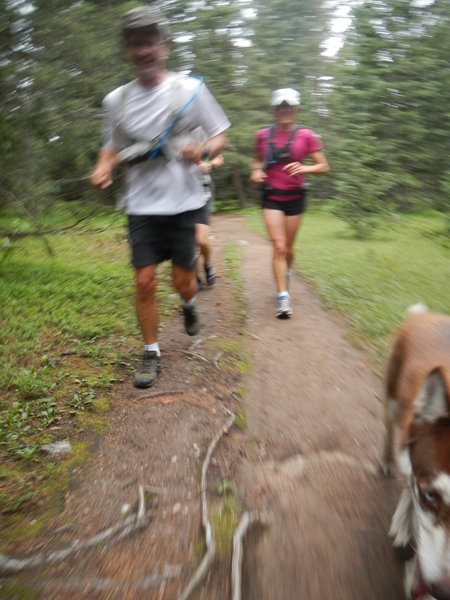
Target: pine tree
(388,111)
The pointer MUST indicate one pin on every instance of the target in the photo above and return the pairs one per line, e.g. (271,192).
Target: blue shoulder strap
(175,120)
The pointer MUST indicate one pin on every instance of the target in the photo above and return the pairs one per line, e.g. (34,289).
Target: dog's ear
(433,401)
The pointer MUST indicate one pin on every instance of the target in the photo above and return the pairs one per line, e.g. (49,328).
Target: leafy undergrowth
(68,334)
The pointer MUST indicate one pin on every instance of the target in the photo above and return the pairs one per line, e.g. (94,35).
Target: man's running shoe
(191,319)
(284,310)
(147,373)
(210,275)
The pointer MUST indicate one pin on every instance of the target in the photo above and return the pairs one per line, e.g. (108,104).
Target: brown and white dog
(418,404)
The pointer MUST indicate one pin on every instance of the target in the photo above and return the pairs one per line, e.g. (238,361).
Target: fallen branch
(170,397)
(217,357)
(209,532)
(200,341)
(9,564)
(256,337)
(160,393)
(195,355)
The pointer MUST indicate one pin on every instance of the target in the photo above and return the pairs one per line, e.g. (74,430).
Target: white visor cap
(287,95)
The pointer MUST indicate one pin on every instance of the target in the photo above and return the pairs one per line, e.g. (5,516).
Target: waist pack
(299,192)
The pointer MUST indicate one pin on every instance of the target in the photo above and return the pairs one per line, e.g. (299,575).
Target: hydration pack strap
(139,151)
(270,156)
(165,134)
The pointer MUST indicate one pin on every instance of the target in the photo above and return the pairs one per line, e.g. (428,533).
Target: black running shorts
(289,207)
(203,215)
(155,238)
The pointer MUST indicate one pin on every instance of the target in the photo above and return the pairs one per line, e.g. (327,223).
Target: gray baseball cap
(144,17)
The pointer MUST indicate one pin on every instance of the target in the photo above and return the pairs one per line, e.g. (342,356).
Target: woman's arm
(320,166)
(257,166)
(257,173)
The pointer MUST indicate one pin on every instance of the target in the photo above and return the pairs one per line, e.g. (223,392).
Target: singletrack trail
(314,432)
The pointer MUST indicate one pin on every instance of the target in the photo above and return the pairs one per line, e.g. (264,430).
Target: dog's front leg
(390,413)
(401,529)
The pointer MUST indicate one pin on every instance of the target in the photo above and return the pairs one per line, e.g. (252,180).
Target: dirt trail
(306,459)
(314,417)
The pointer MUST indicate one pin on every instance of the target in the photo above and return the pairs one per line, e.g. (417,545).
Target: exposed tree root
(209,532)
(248,519)
(133,523)
(14,564)
(97,585)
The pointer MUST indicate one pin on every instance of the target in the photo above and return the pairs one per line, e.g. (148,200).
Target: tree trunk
(238,187)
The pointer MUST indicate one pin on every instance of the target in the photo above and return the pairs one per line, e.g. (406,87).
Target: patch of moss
(17,591)
(235,355)
(80,455)
(224,519)
(101,404)
(200,548)
(240,420)
(50,486)
(96,424)
(244,367)
(230,346)
(20,529)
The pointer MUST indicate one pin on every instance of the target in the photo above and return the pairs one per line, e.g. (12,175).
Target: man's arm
(206,150)
(107,160)
(217,162)
(216,145)
(209,165)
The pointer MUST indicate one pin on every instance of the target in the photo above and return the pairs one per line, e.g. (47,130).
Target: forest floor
(302,456)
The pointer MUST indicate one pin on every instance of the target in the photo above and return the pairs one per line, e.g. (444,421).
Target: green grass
(373,282)
(233,258)
(68,332)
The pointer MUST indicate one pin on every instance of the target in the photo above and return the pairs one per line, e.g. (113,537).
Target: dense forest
(380,104)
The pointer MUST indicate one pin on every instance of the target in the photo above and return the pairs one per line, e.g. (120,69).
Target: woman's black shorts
(155,238)
(203,215)
(289,207)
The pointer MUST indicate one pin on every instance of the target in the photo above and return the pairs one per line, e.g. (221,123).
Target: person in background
(163,189)
(203,228)
(279,168)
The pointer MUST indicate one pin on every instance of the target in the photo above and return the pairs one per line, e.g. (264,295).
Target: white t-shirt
(160,186)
